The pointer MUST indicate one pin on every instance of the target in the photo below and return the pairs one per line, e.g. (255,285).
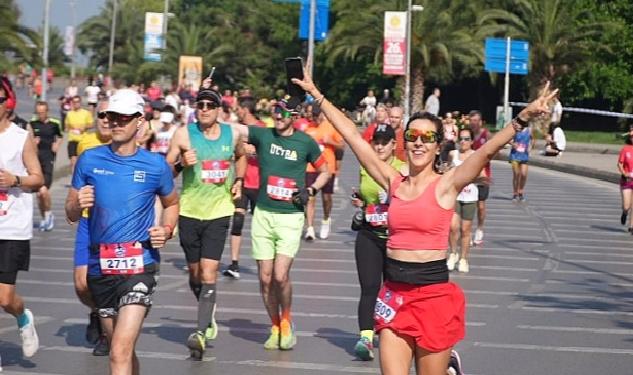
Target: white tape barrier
(583,110)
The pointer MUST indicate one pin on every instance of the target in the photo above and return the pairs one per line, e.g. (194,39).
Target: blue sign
(321,21)
(495,56)
(153,46)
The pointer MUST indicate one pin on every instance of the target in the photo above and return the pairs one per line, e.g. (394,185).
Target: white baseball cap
(126,102)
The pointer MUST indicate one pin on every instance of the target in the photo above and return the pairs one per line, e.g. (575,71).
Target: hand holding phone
(294,69)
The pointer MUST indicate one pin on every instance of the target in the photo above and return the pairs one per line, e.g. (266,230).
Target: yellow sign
(190,71)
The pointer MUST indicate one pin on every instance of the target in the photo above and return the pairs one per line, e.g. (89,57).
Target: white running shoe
(50,223)
(310,236)
(324,233)
(42,226)
(30,341)
(462,266)
(479,237)
(452,260)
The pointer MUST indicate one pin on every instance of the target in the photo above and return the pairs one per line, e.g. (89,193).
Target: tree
(15,39)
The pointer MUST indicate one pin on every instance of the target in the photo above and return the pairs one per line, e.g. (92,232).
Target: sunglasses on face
(465,139)
(282,113)
(2,99)
(206,105)
(102,115)
(427,136)
(118,119)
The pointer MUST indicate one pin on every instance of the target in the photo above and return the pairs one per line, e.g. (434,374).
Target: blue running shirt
(125,190)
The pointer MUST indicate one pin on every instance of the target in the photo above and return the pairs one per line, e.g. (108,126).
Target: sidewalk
(585,159)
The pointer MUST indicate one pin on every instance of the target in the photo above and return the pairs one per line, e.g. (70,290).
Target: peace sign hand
(540,105)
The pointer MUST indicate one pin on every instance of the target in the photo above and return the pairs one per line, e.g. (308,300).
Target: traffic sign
(321,21)
(496,50)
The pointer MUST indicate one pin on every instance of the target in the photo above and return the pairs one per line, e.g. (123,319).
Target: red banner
(395,44)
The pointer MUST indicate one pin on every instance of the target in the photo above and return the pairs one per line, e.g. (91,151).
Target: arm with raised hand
(472,166)
(380,171)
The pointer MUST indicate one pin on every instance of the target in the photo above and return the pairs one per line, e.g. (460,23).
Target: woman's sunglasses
(427,136)
(206,105)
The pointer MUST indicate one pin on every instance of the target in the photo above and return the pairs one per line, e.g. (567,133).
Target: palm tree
(15,38)
(562,34)
(442,44)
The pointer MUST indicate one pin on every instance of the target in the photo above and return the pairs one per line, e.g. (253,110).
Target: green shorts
(275,233)
(466,210)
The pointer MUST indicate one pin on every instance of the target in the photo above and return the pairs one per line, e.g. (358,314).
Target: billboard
(190,71)
(153,36)
(395,44)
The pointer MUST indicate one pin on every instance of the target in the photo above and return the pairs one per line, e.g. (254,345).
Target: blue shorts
(82,244)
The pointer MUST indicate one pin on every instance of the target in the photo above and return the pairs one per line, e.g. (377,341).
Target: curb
(598,174)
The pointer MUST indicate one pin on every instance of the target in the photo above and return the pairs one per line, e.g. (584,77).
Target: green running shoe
(211,333)
(364,349)
(272,343)
(287,339)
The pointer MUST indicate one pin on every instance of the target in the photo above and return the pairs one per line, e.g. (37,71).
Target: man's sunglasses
(118,119)
(3,99)
(427,136)
(102,115)
(465,139)
(206,105)
(282,113)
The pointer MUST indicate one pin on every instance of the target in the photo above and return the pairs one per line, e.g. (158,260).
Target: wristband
(178,167)
(320,100)
(240,179)
(170,230)
(312,191)
(17,182)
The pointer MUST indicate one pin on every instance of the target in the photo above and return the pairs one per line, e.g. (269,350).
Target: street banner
(153,36)
(395,44)
(69,41)
(190,71)
(321,21)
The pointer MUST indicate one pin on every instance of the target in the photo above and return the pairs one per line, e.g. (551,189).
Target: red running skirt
(432,314)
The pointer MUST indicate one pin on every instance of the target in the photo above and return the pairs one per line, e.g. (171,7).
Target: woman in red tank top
(419,313)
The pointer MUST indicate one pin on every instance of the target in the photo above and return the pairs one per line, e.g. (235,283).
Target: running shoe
(93,329)
(364,349)
(211,333)
(196,344)
(515,198)
(310,236)
(232,271)
(287,337)
(50,223)
(272,343)
(462,266)
(42,226)
(102,348)
(521,198)
(623,217)
(30,341)
(324,233)
(479,237)
(452,260)
(455,364)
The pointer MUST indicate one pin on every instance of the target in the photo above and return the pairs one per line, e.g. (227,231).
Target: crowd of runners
(128,149)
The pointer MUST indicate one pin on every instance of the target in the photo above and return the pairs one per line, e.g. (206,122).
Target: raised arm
(472,166)
(380,171)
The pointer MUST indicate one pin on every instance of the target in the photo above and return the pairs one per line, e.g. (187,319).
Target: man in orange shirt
(328,140)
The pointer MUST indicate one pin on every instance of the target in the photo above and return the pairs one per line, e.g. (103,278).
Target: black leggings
(370,263)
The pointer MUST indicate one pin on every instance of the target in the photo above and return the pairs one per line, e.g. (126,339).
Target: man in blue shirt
(119,183)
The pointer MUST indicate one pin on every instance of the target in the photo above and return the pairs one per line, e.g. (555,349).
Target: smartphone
(294,69)
(211,72)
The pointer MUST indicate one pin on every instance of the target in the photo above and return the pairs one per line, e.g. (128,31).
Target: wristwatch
(18,182)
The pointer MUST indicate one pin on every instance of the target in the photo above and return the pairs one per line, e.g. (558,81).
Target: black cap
(383,132)
(157,104)
(211,95)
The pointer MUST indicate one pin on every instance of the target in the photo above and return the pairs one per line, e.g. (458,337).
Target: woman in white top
(465,207)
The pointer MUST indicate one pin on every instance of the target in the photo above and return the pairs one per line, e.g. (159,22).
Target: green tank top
(206,187)
(376,200)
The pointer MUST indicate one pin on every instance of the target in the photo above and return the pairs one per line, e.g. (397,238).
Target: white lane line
(572,349)
(600,240)
(325,368)
(141,354)
(495,256)
(490,278)
(611,274)
(602,255)
(576,311)
(38,320)
(504,268)
(588,261)
(593,247)
(602,284)
(600,331)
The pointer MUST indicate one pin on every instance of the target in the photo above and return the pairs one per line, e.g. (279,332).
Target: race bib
(75,131)
(161,146)
(387,305)
(121,258)
(280,189)
(215,171)
(376,214)
(521,147)
(467,189)
(4,203)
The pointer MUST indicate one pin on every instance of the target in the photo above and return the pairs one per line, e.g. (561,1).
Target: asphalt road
(550,291)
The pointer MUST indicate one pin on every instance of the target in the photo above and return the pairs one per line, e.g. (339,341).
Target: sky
(61,12)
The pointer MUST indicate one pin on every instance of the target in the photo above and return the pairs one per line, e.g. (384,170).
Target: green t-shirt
(282,166)
(376,200)
(206,187)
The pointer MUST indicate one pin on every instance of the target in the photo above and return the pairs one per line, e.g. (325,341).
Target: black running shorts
(203,238)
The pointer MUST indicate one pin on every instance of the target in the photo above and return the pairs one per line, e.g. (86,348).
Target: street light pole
(112,32)
(47,11)
(73,54)
(165,12)
(311,36)
(407,76)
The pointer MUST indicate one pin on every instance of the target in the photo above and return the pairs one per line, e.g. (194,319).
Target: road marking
(588,261)
(605,273)
(576,311)
(601,331)
(490,278)
(600,254)
(38,320)
(140,354)
(326,368)
(572,349)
